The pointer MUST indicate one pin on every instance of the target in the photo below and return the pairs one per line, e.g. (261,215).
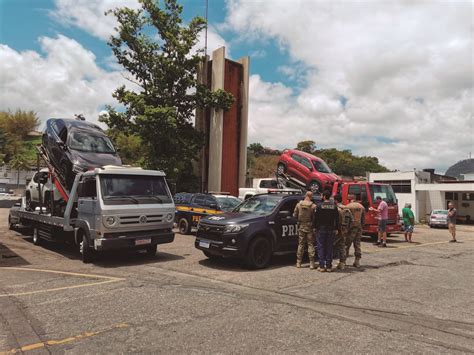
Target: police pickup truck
(261,226)
(190,207)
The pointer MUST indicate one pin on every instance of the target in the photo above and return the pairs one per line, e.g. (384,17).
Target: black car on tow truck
(256,229)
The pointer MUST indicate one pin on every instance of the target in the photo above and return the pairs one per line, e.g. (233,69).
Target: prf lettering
(289,230)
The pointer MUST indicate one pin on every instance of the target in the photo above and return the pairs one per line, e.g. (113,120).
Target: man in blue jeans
(326,223)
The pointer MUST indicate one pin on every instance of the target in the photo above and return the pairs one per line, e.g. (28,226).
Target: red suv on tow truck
(307,169)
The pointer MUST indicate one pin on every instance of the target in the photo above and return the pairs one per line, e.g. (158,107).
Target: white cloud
(89,15)
(64,82)
(406,69)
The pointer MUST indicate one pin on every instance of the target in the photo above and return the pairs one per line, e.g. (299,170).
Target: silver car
(438,218)
(32,192)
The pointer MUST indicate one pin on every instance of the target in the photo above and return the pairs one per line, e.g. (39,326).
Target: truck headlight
(169,217)
(109,221)
(235,228)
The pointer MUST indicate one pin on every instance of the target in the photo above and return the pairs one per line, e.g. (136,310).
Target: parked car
(190,208)
(48,190)
(438,218)
(74,145)
(307,169)
(262,186)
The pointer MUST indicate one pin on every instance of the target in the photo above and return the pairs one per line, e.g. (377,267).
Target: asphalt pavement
(406,298)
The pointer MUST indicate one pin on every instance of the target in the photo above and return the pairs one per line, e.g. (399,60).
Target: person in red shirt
(382,211)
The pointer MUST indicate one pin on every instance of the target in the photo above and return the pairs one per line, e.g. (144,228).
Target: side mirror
(43,179)
(284,214)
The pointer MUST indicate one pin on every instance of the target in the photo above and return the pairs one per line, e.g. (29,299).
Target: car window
(210,200)
(321,166)
(86,142)
(87,188)
(289,206)
(355,190)
(199,200)
(36,177)
(269,184)
(296,158)
(63,134)
(305,162)
(57,125)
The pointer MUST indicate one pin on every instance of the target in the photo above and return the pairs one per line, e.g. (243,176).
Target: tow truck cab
(259,227)
(366,193)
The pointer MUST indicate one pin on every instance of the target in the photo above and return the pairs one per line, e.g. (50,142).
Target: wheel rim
(261,253)
(81,247)
(280,169)
(314,186)
(183,226)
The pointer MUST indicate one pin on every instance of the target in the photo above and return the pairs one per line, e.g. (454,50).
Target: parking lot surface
(407,298)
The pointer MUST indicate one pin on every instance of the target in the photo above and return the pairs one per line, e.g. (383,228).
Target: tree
(19,163)
(307,146)
(154,46)
(18,124)
(256,148)
(128,146)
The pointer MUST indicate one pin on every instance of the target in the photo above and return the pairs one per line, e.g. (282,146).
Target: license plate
(204,244)
(142,241)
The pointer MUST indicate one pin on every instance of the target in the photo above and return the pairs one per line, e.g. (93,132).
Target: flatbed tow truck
(107,208)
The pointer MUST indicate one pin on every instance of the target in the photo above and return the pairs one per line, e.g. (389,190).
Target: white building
(425,194)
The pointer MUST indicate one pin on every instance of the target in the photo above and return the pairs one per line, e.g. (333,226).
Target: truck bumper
(216,247)
(134,240)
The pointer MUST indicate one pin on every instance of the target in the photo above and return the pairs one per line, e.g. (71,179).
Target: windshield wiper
(121,198)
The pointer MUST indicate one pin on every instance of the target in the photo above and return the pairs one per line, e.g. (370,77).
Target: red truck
(366,194)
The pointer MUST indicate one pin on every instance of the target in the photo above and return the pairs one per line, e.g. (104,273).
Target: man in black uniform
(326,223)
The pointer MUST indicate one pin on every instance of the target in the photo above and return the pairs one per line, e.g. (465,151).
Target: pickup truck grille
(140,219)
(210,231)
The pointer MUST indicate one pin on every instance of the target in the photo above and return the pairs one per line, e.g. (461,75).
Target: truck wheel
(86,252)
(281,169)
(36,236)
(259,253)
(314,186)
(151,251)
(211,256)
(184,226)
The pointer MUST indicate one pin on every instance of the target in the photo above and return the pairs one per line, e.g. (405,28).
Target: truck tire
(87,253)
(315,186)
(151,251)
(36,236)
(281,169)
(184,226)
(259,253)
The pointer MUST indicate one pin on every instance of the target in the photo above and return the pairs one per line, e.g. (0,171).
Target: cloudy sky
(392,79)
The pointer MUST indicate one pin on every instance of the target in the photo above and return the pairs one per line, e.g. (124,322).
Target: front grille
(150,233)
(140,219)
(211,231)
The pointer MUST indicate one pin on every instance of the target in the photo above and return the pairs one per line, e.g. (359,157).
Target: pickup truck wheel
(86,252)
(184,226)
(315,186)
(36,236)
(281,169)
(259,253)
(151,251)
(211,256)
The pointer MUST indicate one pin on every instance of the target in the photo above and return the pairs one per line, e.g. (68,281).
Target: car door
(33,187)
(294,168)
(285,226)
(55,142)
(87,201)
(305,169)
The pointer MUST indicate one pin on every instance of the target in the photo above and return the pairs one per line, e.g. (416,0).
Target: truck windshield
(384,191)
(86,142)
(116,189)
(228,203)
(321,166)
(260,205)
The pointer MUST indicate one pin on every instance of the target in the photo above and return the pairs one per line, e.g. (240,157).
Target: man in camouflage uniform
(345,223)
(304,212)
(355,232)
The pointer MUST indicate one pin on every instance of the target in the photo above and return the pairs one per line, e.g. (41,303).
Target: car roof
(74,123)
(306,155)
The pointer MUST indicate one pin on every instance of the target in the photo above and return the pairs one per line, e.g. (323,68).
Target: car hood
(231,218)
(94,160)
